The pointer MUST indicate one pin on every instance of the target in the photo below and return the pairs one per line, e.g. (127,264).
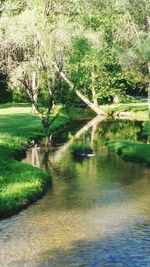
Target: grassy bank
(20,184)
(135,151)
(132,151)
(138,109)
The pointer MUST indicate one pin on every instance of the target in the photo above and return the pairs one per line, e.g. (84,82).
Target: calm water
(96,213)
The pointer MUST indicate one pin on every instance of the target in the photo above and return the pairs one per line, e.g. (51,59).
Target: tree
(58,43)
(132,35)
(94,71)
(27,58)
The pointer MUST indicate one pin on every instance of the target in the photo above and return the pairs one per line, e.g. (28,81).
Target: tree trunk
(149,100)
(116,99)
(148,26)
(34,94)
(93,91)
(94,106)
(148,94)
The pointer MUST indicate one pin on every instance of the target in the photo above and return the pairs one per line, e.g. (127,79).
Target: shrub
(81,148)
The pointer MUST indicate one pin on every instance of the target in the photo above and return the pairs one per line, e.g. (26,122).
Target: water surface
(96,213)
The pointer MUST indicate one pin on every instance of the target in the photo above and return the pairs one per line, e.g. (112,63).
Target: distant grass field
(139,108)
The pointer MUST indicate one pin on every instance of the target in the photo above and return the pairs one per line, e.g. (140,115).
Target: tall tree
(132,35)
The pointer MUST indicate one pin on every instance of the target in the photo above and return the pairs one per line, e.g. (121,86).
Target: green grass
(135,151)
(20,184)
(17,129)
(140,109)
(79,113)
(79,148)
(132,151)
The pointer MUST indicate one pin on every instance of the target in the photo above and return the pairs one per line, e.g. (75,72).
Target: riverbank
(137,111)
(134,151)
(131,151)
(20,184)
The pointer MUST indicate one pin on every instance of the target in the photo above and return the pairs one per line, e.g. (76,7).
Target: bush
(79,148)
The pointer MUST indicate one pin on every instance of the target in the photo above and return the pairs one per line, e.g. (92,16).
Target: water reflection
(97,212)
(96,132)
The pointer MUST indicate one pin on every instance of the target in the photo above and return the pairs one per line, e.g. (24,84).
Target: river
(96,212)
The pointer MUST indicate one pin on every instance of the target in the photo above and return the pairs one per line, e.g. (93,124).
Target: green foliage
(132,39)
(59,123)
(103,52)
(119,130)
(80,67)
(79,148)
(146,130)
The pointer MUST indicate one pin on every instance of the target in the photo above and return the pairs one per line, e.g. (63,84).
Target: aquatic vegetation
(81,149)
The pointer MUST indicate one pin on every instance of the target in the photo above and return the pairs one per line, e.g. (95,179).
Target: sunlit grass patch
(139,108)
(20,184)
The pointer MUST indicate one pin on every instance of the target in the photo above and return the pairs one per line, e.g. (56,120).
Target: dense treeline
(5,94)
(53,51)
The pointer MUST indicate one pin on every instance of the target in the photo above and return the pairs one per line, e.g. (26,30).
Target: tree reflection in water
(97,132)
